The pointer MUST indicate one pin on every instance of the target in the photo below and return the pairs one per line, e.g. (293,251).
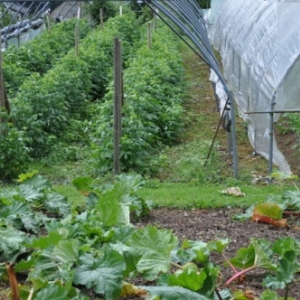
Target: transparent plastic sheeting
(23,37)
(259,42)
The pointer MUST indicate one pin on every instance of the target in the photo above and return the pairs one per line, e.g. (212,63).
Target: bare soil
(210,224)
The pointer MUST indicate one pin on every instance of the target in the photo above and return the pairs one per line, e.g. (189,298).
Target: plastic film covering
(259,42)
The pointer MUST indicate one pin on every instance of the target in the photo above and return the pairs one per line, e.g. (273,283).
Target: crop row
(47,105)
(152,110)
(40,54)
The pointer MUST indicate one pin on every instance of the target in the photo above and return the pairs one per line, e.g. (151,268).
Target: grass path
(179,184)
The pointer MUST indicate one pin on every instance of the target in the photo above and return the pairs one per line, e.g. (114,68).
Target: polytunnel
(21,21)
(259,42)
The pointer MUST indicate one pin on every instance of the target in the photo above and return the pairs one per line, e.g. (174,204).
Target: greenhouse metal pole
(271,133)
(233,133)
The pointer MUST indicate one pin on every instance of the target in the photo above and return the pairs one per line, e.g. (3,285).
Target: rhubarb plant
(257,255)
(65,250)
(280,260)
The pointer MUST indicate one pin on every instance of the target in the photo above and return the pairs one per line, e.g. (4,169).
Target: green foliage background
(204,3)
(110,9)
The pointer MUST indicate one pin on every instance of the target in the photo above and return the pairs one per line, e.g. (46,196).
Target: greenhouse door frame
(271,112)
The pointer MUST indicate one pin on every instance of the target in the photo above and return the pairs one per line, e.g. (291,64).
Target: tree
(204,3)
(109,10)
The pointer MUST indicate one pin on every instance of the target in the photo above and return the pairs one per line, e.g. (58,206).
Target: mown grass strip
(185,195)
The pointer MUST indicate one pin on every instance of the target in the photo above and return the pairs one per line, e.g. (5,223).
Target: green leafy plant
(152,110)
(14,157)
(62,248)
(46,106)
(110,9)
(279,258)
(40,54)
(257,255)
(273,208)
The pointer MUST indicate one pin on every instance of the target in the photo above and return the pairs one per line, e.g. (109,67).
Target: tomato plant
(45,105)
(41,53)
(14,153)
(152,111)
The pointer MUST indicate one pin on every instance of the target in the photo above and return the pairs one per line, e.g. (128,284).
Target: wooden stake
(4,103)
(117,104)
(149,35)
(101,18)
(76,40)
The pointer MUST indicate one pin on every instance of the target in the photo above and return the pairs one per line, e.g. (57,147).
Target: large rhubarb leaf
(57,203)
(51,292)
(257,255)
(30,193)
(83,184)
(292,200)
(103,274)
(154,247)
(283,245)
(287,266)
(110,211)
(66,251)
(18,215)
(151,238)
(172,293)
(118,242)
(244,257)
(153,263)
(263,254)
(188,278)
(44,242)
(38,182)
(53,258)
(56,291)
(11,243)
